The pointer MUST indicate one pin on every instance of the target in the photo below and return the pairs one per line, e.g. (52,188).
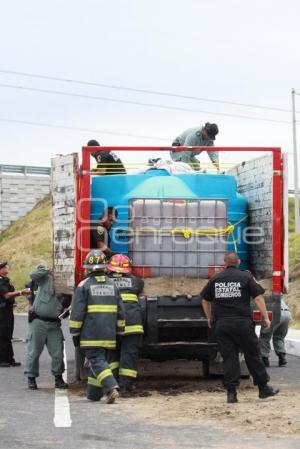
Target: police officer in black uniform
(7,300)
(108,162)
(226,303)
(100,236)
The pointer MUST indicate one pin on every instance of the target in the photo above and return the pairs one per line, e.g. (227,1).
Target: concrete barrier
(292,342)
(21,188)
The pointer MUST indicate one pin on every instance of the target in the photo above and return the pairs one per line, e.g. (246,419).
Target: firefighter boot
(127,391)
(32,383)
(112,395)
(265,391)
(281,359)
(231,396)
(60,383)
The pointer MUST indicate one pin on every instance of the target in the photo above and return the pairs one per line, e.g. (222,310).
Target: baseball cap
(211,129)
(3,264)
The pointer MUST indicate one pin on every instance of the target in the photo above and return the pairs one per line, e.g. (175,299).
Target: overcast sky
(232,51)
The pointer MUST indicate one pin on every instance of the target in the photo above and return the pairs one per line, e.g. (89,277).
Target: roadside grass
(294,249)
(294,237)
(26,243)
(291,215)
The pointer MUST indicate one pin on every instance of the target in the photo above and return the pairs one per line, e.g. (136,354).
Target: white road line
(62,415)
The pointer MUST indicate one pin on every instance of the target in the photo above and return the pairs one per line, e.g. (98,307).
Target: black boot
(60,383)
(14,363)
(231,396)
(265,391)
(281,359)
(4,365)
(32,383)
(266,361)
(127,390)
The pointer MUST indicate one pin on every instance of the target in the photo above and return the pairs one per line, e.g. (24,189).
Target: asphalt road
(27,417)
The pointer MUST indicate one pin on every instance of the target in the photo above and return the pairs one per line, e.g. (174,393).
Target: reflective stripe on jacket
(97,312)
(129,287)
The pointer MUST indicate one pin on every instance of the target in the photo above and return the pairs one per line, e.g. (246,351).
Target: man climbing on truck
(108,162)
(100,234)
(203,136)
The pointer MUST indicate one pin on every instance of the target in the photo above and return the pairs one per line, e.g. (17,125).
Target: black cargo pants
(236,335)
(6,333)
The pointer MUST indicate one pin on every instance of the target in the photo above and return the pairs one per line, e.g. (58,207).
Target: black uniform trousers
(236,335)
(6,333)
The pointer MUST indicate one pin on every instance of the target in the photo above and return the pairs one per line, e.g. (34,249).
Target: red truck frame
(83,201)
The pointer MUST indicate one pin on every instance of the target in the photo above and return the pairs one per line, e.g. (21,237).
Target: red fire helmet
(119,263)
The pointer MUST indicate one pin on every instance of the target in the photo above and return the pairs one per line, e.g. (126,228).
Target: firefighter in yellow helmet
(97,316)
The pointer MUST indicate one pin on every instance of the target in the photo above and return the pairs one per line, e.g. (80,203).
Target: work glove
(76,340)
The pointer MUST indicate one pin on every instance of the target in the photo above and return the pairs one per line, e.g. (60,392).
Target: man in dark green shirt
(45,329)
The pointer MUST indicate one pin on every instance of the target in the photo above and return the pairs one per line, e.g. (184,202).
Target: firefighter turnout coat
(129,287)
(97,312)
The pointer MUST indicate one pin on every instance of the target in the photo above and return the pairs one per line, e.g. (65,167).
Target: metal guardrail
(25,169)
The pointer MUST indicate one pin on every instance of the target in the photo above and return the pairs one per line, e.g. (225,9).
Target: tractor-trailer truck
(176,229)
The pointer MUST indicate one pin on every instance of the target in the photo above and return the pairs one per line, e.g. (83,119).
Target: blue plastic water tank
(119,190)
